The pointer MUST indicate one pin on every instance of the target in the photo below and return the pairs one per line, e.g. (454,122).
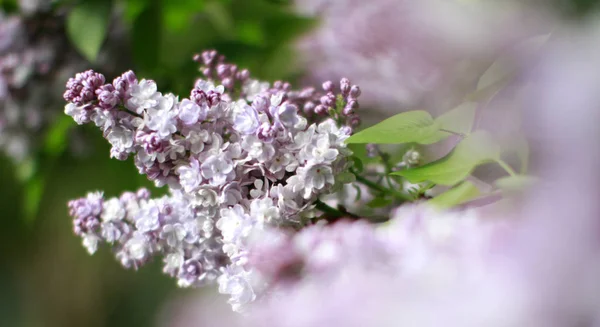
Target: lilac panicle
(237,156)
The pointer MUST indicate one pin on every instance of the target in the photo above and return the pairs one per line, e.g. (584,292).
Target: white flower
(172,262)
(264,211)
(162,121)
(318,151)
(103,119)
(90,242)
(197,139)
(245,118)
(76,112)
(148,219)
(206,197)
(257,149)
(235,282)
(258,189)
(190,112)
(144,96)
(217,170)
(252,88)
(190,176)
(137,246)
(121,138)
(112,210)
(234,223)
(173,234)
(207,86)
(316,177)
(287,115)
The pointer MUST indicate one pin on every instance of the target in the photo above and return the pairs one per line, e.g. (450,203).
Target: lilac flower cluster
(141,227)
(30,50)
(236,158)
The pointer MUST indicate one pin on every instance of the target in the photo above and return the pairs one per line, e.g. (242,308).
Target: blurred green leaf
(177,15)
(56,137)
(26,169)
(250,32)
(476,149)
(411,126)
(34,189)
(146,36)
(221,18)
(87,26)
(133,8)
(462,193)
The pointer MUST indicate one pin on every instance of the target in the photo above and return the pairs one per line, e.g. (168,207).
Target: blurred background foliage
(46,276)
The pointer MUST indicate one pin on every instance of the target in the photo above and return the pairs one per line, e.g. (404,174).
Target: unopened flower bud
(328,86)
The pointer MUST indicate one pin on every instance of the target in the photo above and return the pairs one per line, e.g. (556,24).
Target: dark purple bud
(354,120)
(208,57)
(287,86)
(345,86)
(228,82)
(243,75)
(321,110)
(124,82)
(278,85)
(328,86)
(354,92)
(347,111)
(81,89)
(309,107)
(108,97)
(307,92)
(206,72)
(151,142)
(328,100)
(223,70)
(213,98)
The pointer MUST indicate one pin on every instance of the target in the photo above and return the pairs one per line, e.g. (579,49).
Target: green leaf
(87,26)
(459,119)
(515,183)
(476,149)
(462,193)
(411,126)
(146,36)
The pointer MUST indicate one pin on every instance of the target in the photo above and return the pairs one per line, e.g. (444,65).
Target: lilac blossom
(233,166)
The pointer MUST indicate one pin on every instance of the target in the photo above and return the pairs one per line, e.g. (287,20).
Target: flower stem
(332,212)
(380,188)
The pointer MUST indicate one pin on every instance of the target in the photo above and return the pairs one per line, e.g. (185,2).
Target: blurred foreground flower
(426,54)
(530,261)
